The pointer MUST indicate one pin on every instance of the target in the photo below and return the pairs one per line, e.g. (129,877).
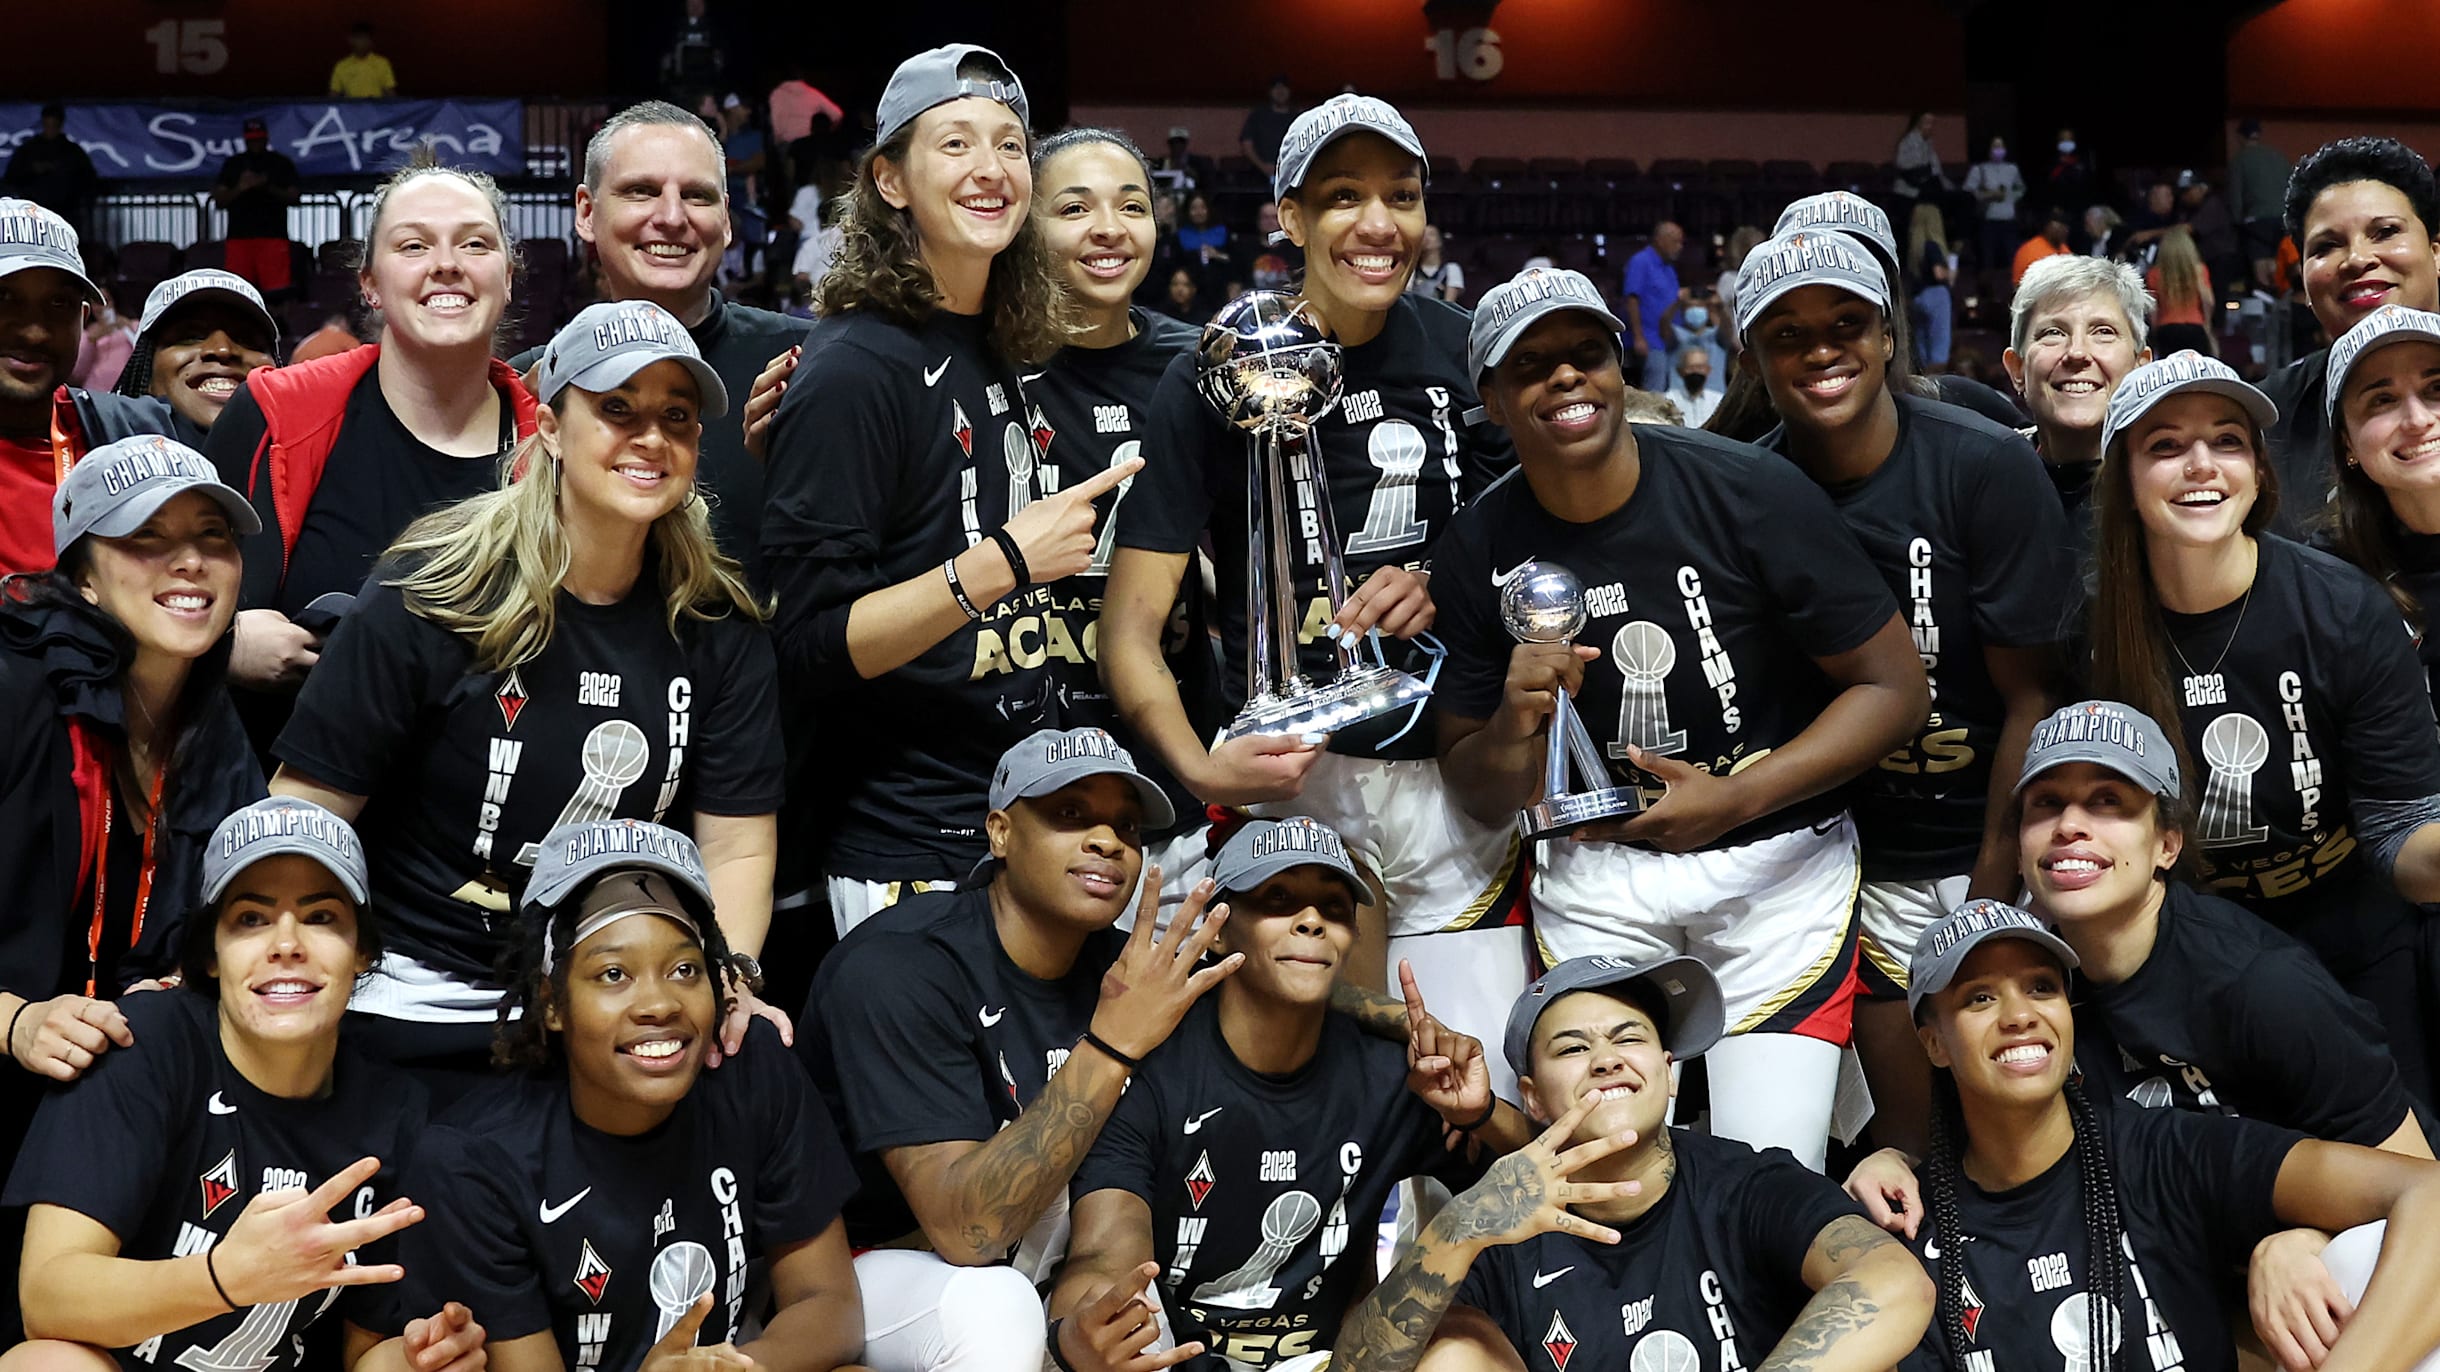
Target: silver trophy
(1266,365)
(1543,602)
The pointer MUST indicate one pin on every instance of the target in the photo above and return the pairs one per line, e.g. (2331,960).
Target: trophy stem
(1286,621)
(1257,585)
(1334,562)
(1558,747)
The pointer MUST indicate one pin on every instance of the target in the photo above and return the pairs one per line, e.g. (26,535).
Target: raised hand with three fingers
(285,1246)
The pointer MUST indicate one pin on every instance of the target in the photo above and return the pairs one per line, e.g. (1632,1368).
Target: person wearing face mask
(1693,393)
(202,334)
(2365,214)
(1996,186)
(2069,182)
(2075,329)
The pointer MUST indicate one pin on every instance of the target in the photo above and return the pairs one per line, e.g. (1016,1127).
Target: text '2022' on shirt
(1710,1277)
(1397,460)
(618,718)
(166,1144)
(1264,1189)
(543,1224)
(1709,594)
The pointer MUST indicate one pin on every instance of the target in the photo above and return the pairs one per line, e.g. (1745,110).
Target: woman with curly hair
(914,525)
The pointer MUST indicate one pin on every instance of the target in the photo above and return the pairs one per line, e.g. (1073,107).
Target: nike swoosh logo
(1542,1279)
(551,1213)
(1197,1122)
(218,1106)
(990,1017)
(1500,580)
(931,375)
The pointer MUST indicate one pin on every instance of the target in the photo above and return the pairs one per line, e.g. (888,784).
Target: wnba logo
(2234,747)
(1644,654)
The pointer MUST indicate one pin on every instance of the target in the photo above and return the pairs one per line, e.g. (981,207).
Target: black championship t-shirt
(2074,483)
(543,1224)
(2300,443)
(2230,1016)
(2419,573)
(1707,1280)
(895,450)
(1091,410)
(2298,699)
(2194,1196)
(1709,594)
(739,341)
(1397,459)
(166,1143)
(1265,1189)
(465,770)
(921,1030)
(1965,528)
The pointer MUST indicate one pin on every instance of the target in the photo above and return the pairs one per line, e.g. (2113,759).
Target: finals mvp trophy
(1268,368)
(1543,602)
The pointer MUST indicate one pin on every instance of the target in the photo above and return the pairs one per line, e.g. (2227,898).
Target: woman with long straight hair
(2181,296)
(571,646)
(2298,702)
(2384,412)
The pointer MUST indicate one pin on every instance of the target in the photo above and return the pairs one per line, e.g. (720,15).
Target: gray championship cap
(2153,382)
(31,236)
(574,854)
(1328,122)
(193,285)
(1697,1014)
(1843,212)
(112,490)
(1515,305)
(1807,257)
(1943,948)
(2384,326)
(1264,848)
(283,824)
(608,343)
(1048,759)
(2106,734)
(930,78)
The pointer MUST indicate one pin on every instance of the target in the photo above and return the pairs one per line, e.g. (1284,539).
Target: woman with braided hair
(2097,1240)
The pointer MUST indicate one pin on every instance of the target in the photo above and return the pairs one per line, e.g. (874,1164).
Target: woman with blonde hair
(569,647)
(2181,295)
(1931,266)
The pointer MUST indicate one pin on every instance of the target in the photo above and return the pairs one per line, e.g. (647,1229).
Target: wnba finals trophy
(1268,368)
(1543,602)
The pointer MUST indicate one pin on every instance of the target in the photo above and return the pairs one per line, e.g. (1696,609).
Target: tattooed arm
(1871,1303)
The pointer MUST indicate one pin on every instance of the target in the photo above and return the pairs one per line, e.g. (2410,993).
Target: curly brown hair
(880,264)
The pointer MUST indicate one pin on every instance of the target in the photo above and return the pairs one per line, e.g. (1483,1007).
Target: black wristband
(1016,560)
(1057,1356)
(8,1043)
(213,1272)
(1111,1053)
(958,589)
(1488,1111)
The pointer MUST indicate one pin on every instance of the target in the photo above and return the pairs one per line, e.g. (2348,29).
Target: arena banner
(340,138)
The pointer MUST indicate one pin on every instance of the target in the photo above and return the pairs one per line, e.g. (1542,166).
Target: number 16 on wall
(1473,54)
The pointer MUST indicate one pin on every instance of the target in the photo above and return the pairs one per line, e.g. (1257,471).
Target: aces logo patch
(1199,1180)
(592,1274)
(219,1184)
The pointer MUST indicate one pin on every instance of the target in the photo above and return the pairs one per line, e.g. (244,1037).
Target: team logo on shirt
(960,428)
(592,1274)
(512,698)
(1559,1341)
(1972,1307)
(1043,432)
(219,1184)
(2234,746)
(1199,1179)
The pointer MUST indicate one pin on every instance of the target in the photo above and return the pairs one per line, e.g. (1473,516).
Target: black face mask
(1694,381)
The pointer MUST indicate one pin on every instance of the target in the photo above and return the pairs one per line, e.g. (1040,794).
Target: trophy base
(1301,707)
(1562,815)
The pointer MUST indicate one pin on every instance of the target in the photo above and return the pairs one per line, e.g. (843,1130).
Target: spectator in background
(1182,166)
(2050,242)
(1183,299)
(2181,296)
(1652,294)
(1266,126)
(2214,228)
(2155,217)
(1918,162)
(337,335)
(1203,240)
(1742,242)
(363,74)
(1692,392)
(1996,186)
(794,104)
(2070,180)
(201,334)
(1930,267)
(1277,262)
(696,55)
(110,338)
(746,154)
(2101,231)
(2257,179)
(256,187)
(1435,275)
(52,170)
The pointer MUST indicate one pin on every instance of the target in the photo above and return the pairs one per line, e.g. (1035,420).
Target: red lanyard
(100,867)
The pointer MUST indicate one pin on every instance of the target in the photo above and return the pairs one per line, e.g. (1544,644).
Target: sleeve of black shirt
(2221,1170)
(2315,1050)
(1123,1157)
(128,1108)
(360,703)
(739,766)
(1490,1286)
(1169,506)
(2389,751)
(2016,548)
(1833,599)
(1490,454)
(1782,1206)
(1474,678)
(34,938)
(836,454)
(468,1247)
(806,1175)
(905,1061)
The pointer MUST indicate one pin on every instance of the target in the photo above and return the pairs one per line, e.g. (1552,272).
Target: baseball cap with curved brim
(1050,759)
(1332,120)
(116,487)
(1517,304)
(2106,734)
(1264,848)
(2375,331)
(31,236)
(1942,950)
(2179,374)
(930,78)
(1843,212)
(607,344)
(283,825)
(1808,257)
(616,867)
(197,285)
(1696,1013)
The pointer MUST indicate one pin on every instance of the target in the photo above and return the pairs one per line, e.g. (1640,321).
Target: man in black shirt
(51,169)
(654,206)
(1615,1241)
(1266,127)
(256,187)
(1742,660)
(2077,326)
